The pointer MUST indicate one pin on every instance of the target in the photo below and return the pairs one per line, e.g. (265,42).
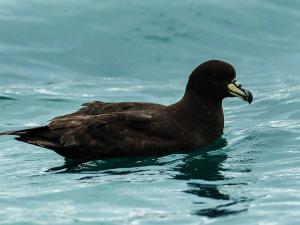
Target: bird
(100,130)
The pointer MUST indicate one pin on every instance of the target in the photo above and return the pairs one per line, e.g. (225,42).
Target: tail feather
(9,133)
(40,136)
(29,131)
(39,142)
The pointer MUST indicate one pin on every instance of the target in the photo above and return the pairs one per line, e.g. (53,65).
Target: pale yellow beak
(235,89)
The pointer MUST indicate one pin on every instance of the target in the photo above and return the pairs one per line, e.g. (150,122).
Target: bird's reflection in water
(204,175)
(201,169)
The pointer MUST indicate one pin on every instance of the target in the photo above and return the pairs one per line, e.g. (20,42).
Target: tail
(25,132)
(40,136)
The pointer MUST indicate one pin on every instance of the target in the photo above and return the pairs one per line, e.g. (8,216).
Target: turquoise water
(56,55)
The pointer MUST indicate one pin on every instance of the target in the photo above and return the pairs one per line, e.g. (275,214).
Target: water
(56,55)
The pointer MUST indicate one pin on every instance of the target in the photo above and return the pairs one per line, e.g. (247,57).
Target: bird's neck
(201,112)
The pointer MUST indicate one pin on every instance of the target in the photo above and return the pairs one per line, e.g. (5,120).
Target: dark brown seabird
(105,130)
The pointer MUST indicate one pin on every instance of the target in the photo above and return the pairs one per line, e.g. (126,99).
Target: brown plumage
(102,130)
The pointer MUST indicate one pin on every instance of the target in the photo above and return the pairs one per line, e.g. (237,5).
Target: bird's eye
(214,76)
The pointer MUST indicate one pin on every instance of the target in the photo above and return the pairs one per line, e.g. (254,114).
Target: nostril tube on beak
(237,84)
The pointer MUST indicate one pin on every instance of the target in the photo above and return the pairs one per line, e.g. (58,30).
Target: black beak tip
(249,97)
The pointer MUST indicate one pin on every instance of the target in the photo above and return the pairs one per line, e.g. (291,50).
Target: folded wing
(100,136)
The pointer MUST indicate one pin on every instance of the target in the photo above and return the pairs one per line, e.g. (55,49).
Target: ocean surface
(56,55)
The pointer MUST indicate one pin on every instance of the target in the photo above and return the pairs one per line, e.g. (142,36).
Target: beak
(235,89)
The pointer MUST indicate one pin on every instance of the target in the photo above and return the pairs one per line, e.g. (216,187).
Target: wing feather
(89,131)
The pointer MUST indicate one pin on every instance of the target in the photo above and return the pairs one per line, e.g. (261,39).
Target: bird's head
(216,79)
